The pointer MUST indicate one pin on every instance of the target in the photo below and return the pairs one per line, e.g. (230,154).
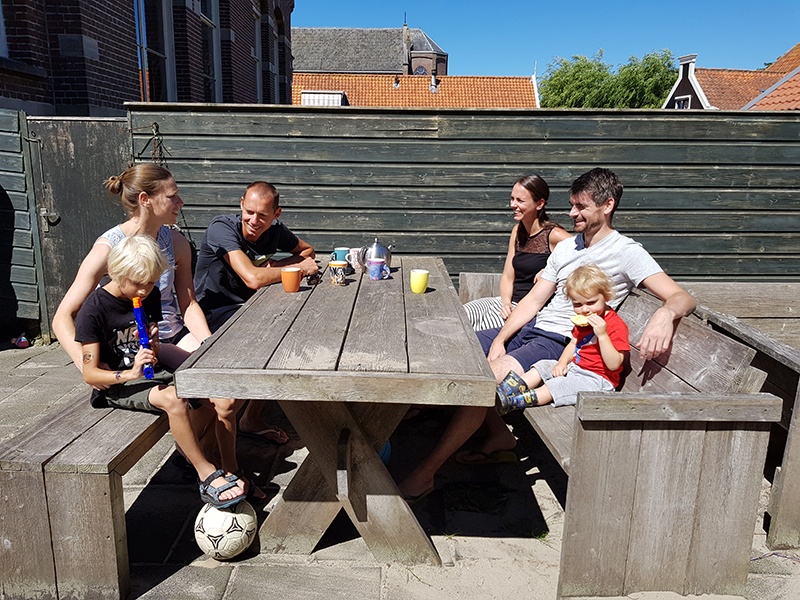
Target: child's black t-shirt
(109,320)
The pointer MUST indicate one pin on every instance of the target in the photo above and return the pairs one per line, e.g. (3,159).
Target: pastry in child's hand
(580,320)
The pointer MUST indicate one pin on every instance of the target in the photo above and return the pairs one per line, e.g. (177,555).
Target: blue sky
(509,37)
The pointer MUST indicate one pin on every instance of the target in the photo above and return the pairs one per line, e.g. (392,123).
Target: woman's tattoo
(87,358)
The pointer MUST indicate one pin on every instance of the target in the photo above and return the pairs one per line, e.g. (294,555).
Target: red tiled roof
(729,89)
(784,97)
(454,91)
(787,62)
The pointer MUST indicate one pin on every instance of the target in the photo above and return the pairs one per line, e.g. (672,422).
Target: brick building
(86,57)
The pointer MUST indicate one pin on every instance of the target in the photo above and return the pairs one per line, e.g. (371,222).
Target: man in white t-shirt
(533,333)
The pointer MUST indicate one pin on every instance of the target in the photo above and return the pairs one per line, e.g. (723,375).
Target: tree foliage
(582,82)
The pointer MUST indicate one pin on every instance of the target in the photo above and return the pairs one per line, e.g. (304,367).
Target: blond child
(593,359)
(113,359)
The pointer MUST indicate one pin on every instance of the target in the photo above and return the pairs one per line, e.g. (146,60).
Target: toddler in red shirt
(593,359)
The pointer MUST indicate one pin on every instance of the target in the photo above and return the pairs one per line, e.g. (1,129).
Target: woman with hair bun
(149,195)
(532,239)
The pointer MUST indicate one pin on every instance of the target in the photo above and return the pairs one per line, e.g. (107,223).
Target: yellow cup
(419,280)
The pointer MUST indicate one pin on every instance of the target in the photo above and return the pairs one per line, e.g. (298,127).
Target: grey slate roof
(356,50)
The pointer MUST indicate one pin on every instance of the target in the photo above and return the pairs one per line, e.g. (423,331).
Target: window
(212,84)
(683,102)
(322,98)
(156,68)
(258,58)
(3,40)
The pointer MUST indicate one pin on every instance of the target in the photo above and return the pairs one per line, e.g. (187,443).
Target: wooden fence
(19,280)
(711,194)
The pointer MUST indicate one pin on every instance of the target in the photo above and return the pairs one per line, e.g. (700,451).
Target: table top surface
(368,341)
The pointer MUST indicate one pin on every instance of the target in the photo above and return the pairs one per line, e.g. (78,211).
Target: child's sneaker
(514,394)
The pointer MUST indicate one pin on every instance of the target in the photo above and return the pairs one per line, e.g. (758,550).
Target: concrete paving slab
(311,582)
(484,579)
(156,582)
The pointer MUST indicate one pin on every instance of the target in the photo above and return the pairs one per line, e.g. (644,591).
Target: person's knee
(226,408)
(167,400)
(503,365)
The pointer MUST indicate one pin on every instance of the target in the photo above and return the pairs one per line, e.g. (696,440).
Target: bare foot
(411,488)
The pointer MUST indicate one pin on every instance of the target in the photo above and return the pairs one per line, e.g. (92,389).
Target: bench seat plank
(635,406)
(555,426)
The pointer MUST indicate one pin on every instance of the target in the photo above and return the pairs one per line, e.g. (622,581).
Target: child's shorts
(565,389)
(133,395)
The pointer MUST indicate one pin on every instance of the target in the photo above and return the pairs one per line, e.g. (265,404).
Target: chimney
(434,86)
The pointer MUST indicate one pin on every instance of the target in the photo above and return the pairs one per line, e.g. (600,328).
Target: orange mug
(290,278)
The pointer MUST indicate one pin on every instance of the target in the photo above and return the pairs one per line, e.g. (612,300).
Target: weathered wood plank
(472,286)
(435,220)
(302,515)
(382,517)
(10,142)
(600,503)
(731,473)
(30,450)
(115,444)
(666,483)
(26,555)
(556,427)
(9,120)
(250,147)
(314,340)
(493,194)
(282,123)
(11,162)
(350,386)
(434,331)
(268,326)
(376,338)
(634,406)
(91,561)
(710,361)
(459,123)
(282,172)
(759,300)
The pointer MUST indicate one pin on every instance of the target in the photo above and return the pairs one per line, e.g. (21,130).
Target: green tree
(582,82)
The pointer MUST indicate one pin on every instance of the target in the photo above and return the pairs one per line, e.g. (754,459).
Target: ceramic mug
(338,271)
(377,269)
(352,259)
(339,253)
(290,278)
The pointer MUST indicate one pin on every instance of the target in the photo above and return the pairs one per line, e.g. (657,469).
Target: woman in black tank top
(532,239)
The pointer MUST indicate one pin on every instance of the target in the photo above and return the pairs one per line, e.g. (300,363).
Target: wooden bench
(665,475)
(767,320)
(62,513)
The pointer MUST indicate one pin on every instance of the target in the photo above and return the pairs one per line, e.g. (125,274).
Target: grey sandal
(210,494)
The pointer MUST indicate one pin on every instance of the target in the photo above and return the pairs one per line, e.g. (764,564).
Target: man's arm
(526,310)
(258,277)
(678,303)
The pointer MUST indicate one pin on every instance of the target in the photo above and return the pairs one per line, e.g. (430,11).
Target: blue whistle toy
(141,327)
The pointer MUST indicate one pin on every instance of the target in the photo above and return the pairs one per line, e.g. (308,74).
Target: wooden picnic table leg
(302,515)
(372,501)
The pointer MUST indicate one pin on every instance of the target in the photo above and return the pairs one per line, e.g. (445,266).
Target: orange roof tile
(454,91)
(785,97)
(787,62)
(729,89)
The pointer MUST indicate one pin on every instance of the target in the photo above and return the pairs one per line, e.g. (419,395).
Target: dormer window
(683,102)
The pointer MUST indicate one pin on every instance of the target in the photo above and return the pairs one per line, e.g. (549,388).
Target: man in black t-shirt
(235,256)
(235,260)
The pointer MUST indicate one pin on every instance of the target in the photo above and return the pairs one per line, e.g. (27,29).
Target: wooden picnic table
(345,363)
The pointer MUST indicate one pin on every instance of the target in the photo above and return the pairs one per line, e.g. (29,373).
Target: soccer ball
(223,533)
